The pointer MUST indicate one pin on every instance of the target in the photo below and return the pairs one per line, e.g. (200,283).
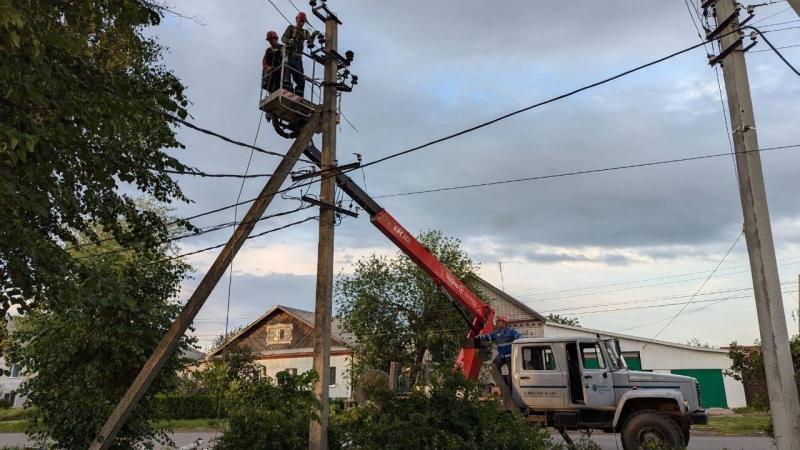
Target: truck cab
(583,383)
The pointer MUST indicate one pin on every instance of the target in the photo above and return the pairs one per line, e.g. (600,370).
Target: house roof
(636,338)
(505,296)
(306,317)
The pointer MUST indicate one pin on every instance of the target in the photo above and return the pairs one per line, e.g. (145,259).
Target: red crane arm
(481,315)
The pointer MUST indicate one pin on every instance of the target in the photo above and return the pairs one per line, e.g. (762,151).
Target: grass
(194,424)
(750,423)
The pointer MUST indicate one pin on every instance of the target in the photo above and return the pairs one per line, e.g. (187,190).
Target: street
(606,441)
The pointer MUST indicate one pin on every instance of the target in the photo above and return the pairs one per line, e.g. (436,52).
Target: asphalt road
(606,441)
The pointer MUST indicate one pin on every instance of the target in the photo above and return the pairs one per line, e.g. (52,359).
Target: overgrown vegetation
(563,320)
(396,313)
(748,367)
(450,413)
(86,346)
(78,82)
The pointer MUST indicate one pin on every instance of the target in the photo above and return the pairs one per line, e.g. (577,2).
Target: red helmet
(272,35)
(300,15)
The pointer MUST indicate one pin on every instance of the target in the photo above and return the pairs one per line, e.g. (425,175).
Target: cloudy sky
(642,240)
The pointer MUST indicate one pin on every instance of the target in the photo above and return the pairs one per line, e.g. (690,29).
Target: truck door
(541,381)
(598,385)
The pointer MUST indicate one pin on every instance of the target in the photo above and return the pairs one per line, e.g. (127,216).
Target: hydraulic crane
(478,315)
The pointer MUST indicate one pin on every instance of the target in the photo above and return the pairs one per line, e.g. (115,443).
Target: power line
(200,232)
(279,12)
(542,103)
(579,172)
(218,135)
(182,255)
(724,257)
(202,174)
(779,48)
(775,50)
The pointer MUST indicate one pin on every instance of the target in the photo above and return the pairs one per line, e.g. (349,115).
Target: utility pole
(318,430)
(781,387)
(798,304)
(170,340)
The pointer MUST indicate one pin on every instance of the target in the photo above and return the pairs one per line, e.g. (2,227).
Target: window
(538,358)
(279,333)
(14,372)
(633,360)
(592,357)
(291,371)
(333,376)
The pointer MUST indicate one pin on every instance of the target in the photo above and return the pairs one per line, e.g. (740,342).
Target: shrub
(176,407)
(449,414)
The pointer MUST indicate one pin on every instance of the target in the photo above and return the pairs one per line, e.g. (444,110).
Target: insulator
(349,55)
(355,79)
(313,3)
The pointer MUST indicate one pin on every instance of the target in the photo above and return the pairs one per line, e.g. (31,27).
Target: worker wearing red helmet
(503,335)
(271,64)
(294,37)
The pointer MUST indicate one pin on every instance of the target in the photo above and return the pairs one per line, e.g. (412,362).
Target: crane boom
(480,315)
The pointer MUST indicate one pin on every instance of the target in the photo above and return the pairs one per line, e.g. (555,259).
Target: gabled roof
(505,296)
(306,317)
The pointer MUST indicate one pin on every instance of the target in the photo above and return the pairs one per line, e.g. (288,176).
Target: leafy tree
(269,414)
(748,367)
(78,84)
(695,342)
(448,414)
(86,346)
(571,321)
(396,313)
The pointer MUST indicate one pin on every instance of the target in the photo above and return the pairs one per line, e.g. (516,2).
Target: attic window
(279,333)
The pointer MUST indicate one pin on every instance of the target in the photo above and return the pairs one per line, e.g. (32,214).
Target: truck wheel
(649,429)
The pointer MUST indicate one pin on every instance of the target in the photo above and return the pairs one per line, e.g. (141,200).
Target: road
(606,441)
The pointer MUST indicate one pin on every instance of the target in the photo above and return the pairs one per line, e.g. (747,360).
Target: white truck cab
(584,383)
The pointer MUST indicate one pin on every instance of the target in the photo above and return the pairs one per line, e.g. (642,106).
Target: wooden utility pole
(166,347)
(318,432)
(781,387)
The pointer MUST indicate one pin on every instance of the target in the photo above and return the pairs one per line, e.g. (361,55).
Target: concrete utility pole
(318,432)
(781,387)
(170,340)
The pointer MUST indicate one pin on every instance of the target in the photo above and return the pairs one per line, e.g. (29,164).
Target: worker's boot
(298,92)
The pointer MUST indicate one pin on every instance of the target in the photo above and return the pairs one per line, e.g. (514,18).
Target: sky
(620,250)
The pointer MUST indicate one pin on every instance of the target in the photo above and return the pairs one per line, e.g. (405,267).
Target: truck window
(538,358)
(592,357)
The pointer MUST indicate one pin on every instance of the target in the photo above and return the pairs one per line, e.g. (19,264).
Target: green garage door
(711,386)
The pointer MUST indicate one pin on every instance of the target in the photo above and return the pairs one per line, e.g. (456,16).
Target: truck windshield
(615,360)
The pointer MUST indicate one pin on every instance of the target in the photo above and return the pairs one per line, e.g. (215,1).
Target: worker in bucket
(294,37)
(271,64)
(503,335)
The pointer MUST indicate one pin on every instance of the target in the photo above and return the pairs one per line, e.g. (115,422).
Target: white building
(283,339)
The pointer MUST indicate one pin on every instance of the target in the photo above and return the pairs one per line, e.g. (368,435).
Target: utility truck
(567,383)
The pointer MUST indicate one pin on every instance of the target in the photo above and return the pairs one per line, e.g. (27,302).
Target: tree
(85,347)
(79,84)
(695,342)
(747,366)
(396,313)
(555,318)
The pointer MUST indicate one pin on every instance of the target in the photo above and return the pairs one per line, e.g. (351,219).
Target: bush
(269,414)
(449,414)
(175,407)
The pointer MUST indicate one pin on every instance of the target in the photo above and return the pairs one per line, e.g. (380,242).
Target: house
(283,339)
(708,365)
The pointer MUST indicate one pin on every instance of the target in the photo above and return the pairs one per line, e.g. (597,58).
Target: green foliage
(174,407)
(86,346)
(571,321)
(695,342)
(448,414)
(269,414)
(78,81)
(748,367)
(396,313)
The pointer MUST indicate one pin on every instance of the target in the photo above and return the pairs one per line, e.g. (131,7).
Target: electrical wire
(724,257)
(577,172)
(279,12)
(203,174)
(218,135)
(775,50)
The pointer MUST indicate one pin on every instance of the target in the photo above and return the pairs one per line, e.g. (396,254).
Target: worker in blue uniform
(503,335)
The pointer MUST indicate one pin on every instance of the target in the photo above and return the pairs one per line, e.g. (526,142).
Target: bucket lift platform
(287,111)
